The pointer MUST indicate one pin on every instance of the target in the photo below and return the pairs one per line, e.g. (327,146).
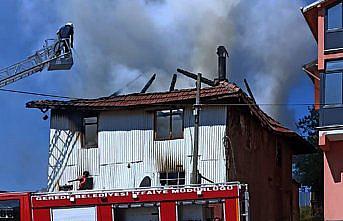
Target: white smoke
(119,40)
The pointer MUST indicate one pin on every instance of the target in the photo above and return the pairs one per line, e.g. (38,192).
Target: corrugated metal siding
(126,143)
(69,173)
(65,140)
(88,160)
(127,151)
(65,121)
(213,170)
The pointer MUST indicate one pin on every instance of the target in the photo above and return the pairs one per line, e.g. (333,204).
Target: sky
(117,41)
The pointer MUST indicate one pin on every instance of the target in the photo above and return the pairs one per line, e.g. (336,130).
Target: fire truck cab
(15,206)
(215,202)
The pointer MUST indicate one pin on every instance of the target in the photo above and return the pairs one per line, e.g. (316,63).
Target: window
(200,210)
(9,210)
(141,212)
(333,88)
(334,17)
(334,27)
(168,124)
(172,178)
(334,66)
(333,83)
(75,214)
(90,136)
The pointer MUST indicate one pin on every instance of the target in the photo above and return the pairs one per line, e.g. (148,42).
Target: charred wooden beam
(249,91)
(194,76)
(173,82)
(148,84)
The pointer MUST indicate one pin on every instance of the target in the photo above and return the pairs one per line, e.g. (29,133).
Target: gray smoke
(118,40)
(272,43)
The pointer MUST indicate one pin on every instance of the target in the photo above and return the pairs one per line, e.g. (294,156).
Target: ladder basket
(64,62)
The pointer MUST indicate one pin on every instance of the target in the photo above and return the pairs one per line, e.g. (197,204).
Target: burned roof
(139,99)
(221,93)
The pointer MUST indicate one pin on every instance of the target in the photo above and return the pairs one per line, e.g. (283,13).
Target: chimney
(222,54)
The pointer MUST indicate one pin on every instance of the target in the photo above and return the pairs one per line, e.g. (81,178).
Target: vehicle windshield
(9,210)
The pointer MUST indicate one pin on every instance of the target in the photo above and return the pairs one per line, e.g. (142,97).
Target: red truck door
(15,207)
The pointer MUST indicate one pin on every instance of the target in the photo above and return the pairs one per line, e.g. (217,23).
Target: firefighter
(86,182)
(83,180)
(66,36)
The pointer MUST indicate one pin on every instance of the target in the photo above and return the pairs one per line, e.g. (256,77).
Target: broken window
(172,178)
(168,124)
(90,129)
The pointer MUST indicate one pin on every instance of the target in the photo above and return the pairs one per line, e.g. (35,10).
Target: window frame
(207,209)
(324,80)
(84,145)
(327,17)
(333,70)
(16,210)
(60,212)
(177,179)
(330,32)
(170,137)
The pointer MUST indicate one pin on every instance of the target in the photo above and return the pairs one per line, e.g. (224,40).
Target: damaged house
(146,139)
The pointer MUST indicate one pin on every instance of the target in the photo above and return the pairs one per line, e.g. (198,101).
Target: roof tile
(146,99)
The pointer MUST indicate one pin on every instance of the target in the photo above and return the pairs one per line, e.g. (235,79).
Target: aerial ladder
(56,54)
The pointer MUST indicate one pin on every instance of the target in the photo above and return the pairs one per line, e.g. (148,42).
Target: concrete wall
(127,152)
(255,151)
(333,183)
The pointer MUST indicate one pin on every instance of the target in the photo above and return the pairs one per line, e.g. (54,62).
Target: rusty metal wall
(127,151)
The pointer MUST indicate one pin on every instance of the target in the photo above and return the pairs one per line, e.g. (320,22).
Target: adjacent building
(325,20)
(146,139)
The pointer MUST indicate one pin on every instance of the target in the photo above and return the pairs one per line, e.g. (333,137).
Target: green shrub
(306,214)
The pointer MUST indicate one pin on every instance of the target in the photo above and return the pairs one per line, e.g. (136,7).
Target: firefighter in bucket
(65,36)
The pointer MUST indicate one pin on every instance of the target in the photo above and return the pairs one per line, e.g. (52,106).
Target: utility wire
(119,90)
(211,104)
(37,94)
(261,104)
(128,84)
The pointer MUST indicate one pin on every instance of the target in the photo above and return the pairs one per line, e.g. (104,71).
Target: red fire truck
(214,202)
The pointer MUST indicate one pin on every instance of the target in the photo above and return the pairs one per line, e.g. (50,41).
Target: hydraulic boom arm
(55,55)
